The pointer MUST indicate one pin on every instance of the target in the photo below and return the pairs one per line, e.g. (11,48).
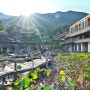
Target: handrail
(21,57)
(29,58)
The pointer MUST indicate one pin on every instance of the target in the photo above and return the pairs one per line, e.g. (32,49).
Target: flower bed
(68,72)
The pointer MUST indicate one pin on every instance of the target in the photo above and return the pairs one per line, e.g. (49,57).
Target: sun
(27,13)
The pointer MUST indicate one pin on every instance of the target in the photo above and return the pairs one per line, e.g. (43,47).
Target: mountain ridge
(49,24)
(38,18)
(4,16)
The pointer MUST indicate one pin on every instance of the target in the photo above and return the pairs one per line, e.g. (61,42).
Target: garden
(66,72)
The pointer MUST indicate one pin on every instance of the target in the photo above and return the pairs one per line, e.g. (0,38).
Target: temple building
(16,44)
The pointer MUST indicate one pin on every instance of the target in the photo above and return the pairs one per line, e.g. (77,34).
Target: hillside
(3,16)
(50,24)
(61,18)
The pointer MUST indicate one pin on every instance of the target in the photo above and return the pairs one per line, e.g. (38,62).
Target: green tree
(3,33)
(2,25)
(13,29)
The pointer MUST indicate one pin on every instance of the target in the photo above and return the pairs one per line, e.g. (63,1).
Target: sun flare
(25,7)
(27,14)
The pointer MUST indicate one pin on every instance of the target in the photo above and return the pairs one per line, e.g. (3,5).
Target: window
(88,21)
(82,25)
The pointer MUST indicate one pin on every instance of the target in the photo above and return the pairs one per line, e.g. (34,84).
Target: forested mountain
(61,18)
(50,24)
(3,16)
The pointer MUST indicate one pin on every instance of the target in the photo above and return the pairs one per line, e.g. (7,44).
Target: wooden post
(46,57)
(32,61)
(15,65)
(3,80)
(3,65)
(15,75)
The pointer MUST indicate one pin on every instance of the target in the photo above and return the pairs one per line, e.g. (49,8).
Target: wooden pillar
(46,57)
(32,61)
(15,75)
(15,65)
(3,65)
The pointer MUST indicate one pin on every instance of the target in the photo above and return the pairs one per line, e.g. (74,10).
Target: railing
(84,30)
(80,31)
(27,62)
(68,41)
(83,40)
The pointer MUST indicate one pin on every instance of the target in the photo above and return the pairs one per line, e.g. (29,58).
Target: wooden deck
(26,64)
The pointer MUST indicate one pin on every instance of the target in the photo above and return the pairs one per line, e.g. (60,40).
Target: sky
(27,7)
